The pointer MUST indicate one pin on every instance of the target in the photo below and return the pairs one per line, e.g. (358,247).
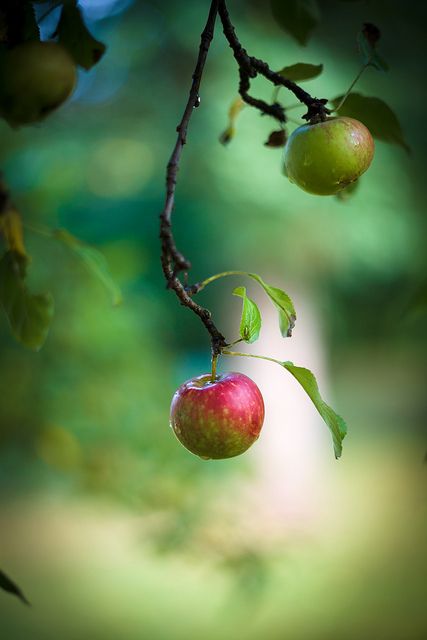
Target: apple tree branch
(173,261)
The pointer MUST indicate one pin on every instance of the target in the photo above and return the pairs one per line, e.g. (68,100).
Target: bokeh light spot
(120,167)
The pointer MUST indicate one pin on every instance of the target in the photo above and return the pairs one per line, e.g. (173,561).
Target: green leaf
(283,303)
(296,17)
(77,39)
(367,40)
(301,71)
(29,315)
(8,585)
(375,114)
(336,424)
(250,323)
(93,260)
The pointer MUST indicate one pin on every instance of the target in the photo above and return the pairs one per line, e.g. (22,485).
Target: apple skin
(219,419)
(326,157)
(35,79)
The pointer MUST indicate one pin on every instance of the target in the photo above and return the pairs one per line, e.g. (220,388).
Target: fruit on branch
(219,419)
(35,79)
(326,157)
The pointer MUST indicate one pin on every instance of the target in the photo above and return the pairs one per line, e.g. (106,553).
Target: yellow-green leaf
(233,113)
(29,315)
(283,303)
(335,423)
(93,260)
(11,227)
(250,323)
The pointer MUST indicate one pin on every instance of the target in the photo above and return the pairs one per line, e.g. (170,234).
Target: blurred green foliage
(85,420)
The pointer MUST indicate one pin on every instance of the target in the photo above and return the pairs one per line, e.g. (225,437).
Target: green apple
(326,157)
(35,79)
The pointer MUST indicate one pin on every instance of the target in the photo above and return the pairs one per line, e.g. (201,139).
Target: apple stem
(225,352)
(231,344)
(204,283)
(214,363)
(347,93)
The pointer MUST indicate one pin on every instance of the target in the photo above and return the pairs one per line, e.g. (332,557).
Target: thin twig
(347,93)
(250,67)
(173,260)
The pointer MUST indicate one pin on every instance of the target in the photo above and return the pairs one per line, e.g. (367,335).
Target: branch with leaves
(29,314)
(174,262)
(299,23)
(250,67)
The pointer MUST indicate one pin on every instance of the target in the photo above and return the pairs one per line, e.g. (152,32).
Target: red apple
(219,419)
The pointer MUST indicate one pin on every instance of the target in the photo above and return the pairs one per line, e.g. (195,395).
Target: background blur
(112,529)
